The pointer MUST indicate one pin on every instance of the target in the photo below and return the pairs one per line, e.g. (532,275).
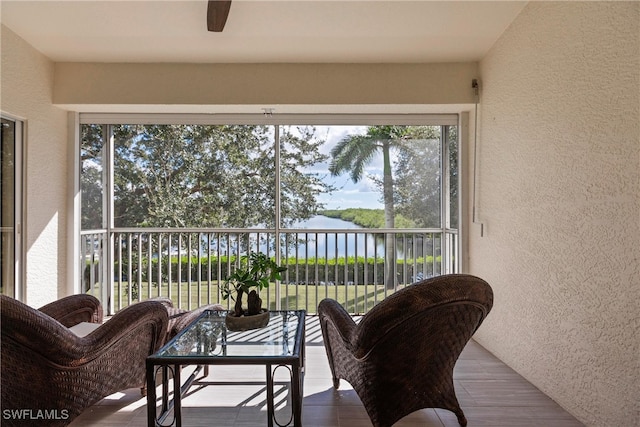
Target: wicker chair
(400,357)
(46,367)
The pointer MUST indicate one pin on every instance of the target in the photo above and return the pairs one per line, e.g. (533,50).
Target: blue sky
(363,194)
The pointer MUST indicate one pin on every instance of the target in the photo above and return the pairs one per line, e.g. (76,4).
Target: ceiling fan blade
(217,12)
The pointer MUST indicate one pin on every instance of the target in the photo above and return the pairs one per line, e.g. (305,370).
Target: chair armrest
(331,312)
(167,302)
(62,347)
(126,324)
(74,309)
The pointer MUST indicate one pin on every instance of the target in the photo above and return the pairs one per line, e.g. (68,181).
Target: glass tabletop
(208,337)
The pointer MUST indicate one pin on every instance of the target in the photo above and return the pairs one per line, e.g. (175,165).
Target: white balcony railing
(127,265)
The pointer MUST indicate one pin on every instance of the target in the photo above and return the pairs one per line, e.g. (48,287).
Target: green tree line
(224,175)
(200,176)
(367,218)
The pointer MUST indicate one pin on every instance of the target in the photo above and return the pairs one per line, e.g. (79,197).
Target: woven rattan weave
(400,357)
(50,375)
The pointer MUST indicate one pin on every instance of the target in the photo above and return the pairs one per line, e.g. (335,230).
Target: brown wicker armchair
(400,357)
(52,372)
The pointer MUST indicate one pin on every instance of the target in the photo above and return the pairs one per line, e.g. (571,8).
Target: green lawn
(356,299)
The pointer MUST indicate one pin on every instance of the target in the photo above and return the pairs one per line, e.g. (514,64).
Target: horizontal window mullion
(275,119)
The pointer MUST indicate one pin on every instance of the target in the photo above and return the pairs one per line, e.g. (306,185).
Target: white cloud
(363,194)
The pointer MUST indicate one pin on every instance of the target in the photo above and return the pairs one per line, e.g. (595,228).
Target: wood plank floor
(489,392)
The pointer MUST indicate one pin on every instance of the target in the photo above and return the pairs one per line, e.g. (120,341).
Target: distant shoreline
(365,218)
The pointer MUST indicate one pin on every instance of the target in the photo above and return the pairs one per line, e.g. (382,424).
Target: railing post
(349,283)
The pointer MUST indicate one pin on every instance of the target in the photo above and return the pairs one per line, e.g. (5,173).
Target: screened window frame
(18,290)
(277,120)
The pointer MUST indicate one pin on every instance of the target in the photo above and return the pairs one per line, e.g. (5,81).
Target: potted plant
(255,273)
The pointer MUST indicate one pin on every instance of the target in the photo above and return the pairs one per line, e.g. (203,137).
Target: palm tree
(353,153)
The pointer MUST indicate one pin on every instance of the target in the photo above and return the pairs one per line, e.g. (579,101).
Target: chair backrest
(438,297)
(73,309)
(31,327)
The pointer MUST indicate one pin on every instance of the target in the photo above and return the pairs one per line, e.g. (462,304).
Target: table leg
(177,396)
(296,395)
(165,388)
(151,395)
(270,397)
(298,386)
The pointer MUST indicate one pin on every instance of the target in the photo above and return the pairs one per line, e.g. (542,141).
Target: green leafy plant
(255,273)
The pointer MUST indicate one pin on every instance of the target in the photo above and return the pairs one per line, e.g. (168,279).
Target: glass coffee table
(207,341)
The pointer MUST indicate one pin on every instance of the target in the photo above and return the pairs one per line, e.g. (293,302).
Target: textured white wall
(85,84)
(26,90)
(559,194)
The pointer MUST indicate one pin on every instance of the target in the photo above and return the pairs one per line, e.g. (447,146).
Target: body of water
(331,245)
(320,221)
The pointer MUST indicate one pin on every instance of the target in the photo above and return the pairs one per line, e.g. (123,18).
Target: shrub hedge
(311,270)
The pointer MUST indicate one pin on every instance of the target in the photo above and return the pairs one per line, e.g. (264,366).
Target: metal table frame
(165,364)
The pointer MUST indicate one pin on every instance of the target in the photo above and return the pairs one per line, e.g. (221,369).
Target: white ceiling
(337,31)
